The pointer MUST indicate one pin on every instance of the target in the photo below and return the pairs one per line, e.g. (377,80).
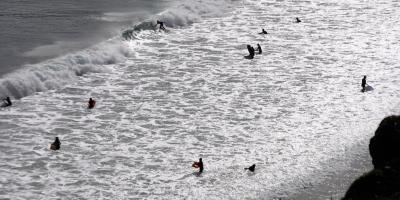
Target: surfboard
(248,57)
(195,165)
(368,88)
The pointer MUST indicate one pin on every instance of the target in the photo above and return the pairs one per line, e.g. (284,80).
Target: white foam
(57,72)
(189,93)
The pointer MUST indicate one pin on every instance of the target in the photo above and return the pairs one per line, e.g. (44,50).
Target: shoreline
(335,183)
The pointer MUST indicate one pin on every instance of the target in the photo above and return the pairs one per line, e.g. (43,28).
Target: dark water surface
(31,30)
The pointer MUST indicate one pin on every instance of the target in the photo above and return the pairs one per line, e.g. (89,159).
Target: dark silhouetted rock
(383,182)
(385,145)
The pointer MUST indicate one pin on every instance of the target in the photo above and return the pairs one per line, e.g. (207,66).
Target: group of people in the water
(200,165)
(57,144)
(252,51)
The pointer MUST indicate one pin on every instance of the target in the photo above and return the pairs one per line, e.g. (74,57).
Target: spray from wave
(55,73)
(183,14)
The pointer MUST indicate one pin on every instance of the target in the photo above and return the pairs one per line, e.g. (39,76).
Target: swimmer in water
(251,168)
(56,144)
(263,32)
(91,103)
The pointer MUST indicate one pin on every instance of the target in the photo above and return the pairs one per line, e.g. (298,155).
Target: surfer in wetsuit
(363,83)
(91,103)
(263,32)
(56,144)
(298,20)
(259,49)
(199,165)
(251,168)
(161,25)
(7,102)
(251,51)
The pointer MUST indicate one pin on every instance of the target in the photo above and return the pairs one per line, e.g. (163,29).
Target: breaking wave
(55,73)
(183,14)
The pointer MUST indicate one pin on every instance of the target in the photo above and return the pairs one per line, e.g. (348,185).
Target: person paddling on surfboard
(91,103)
(263,32)
(161,25)
(251,168)
(199,165)
(56,144)
(363,83)
(7,102)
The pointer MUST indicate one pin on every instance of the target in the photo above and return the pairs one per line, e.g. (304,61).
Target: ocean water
(32,31)
(165,99)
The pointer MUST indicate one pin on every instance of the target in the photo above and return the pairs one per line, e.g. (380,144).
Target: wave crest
(57,72)
(183,14)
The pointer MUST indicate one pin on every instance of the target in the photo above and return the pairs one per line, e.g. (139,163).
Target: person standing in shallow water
(251,51)
(259,49)
(91,103)
(199,165)
(363,83)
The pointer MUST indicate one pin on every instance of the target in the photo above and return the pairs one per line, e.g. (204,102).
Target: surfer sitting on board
(161,25)
(56,144)
(7,102)
(263,32)
(363,83)
(199,165)
(298,20)
(91,103)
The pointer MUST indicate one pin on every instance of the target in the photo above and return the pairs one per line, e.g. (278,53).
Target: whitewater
(165,99)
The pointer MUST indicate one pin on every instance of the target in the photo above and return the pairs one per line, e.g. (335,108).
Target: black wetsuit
(56,144)
(363,83)
(259,49)
(91,103)
(252,52)
(263,32)
(200,164)
(161,25)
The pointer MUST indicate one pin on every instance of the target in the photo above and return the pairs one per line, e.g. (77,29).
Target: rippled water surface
(189,93)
